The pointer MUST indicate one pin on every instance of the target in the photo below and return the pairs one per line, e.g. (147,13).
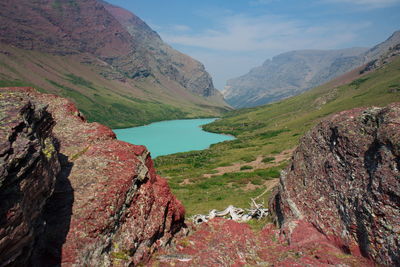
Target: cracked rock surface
(28,169)
(344,179)
(108,207)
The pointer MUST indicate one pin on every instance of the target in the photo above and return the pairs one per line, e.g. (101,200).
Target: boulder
(28,168)
(344,180)
(109,207)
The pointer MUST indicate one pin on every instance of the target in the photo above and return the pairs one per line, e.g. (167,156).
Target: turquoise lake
(168,137)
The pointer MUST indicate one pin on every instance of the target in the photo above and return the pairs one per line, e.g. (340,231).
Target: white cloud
(368,4)
(180,28)
(243,34)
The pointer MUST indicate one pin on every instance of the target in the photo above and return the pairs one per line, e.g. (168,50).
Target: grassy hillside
(101,94)
(267,133)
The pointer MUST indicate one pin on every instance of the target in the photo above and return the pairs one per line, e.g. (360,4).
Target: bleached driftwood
(257,211)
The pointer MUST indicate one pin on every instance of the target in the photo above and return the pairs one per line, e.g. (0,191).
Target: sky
(230,37)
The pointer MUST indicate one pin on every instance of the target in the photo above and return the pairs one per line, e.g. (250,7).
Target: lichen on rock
(108,203)
(28,168)
(344,180)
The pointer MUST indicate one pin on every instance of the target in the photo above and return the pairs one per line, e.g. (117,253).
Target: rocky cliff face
(108,207)
(381,49)
(156,57)
(344,180)
(293,72)
(29,166)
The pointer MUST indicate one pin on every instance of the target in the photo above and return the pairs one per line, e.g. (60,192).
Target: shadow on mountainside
(57,215)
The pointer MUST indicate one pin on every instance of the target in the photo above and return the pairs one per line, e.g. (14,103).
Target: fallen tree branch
(257,211)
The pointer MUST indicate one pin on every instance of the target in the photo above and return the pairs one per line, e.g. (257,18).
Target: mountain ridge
(173,62)
(296,71)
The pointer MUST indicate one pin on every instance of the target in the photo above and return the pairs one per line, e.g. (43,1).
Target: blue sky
(232,36)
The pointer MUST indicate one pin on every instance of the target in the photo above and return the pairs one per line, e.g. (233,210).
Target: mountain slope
(291,73)
(108,61)
(160,57)
(381,49)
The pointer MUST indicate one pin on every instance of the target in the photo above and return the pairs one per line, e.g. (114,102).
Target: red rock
(28,169)
(223,242)
(109,206)
(344,181)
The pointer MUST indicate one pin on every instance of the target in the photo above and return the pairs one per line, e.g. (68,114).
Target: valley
(268,133)
(116,149)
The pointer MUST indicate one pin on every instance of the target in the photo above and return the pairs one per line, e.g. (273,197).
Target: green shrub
(79,81)
(268,159)
(270,134)
(246,167)
(358,82)
(248,158)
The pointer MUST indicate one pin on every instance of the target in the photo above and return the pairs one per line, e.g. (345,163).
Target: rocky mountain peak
(382,48)
(158,57)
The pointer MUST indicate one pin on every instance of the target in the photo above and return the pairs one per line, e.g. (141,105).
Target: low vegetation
(218,192)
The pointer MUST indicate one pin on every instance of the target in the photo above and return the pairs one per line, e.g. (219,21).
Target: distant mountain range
(291,73)
(106,59)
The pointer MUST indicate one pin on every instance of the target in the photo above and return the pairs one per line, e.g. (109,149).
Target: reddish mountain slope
(63,27)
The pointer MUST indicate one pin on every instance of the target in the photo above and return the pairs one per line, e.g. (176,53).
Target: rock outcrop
(222,242)
(109,206)
(28,169)
(344,181)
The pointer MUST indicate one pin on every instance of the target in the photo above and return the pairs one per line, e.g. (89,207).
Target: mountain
(381,49)
(160,57)
(293,72)
(107,60)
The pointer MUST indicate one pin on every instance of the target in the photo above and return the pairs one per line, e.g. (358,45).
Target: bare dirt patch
(256,164)
(268,185)
(186,182)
